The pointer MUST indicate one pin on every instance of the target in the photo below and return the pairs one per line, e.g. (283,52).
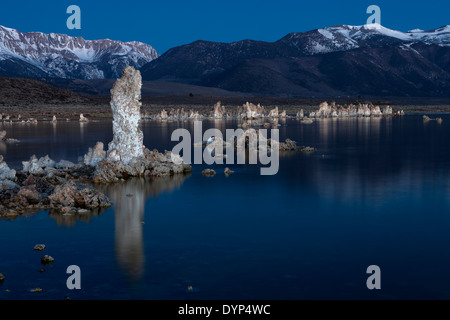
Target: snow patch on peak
(415,31)
(327,34)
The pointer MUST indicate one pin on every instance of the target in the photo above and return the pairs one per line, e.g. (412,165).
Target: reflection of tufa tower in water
(129,205)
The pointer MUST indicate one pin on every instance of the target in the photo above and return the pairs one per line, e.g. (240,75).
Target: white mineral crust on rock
(125,104)
(36,166)
(387,110)
(219,111)
(253,111)
(95,155)
(5,171)
(362,110)
(273,113)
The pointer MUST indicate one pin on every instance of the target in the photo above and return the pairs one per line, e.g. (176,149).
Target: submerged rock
(125,104)
(427,118)
(39,247)
(228,171)
(47,259)
(306,120)
(2,135)
(208,172)
(307,149)
(287,145)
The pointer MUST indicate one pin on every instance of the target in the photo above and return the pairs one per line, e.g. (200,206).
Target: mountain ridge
(340,60)
(36,54)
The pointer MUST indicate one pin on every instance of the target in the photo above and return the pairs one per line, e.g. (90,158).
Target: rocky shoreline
(66,187)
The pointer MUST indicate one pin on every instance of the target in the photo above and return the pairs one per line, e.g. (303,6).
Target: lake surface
(376,192)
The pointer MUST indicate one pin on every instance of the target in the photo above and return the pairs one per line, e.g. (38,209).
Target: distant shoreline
(151,105)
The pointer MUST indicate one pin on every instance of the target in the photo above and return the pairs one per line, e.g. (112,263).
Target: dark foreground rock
(49,188)
(290,145)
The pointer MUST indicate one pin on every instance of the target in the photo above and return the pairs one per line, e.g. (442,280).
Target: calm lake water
(376,192)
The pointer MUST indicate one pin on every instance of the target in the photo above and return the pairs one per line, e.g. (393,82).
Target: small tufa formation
(83,118)
(2,135)
(125,104)
(252,111)
(95,155)
(219,111)
(427,119)
(5,172)
(362,110)
(35,166)
(273,113)
(163,115)
(177,114)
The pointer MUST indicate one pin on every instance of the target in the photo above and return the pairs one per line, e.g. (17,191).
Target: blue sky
(169,23)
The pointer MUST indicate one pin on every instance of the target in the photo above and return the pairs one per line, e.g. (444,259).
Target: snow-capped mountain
(340,60)
(35,54)
(345,37)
